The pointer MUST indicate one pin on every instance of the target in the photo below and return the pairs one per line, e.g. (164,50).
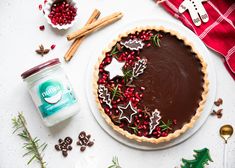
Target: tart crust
(176,133)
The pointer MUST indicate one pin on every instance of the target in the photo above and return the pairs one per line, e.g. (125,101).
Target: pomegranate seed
(40,7)
(121,125)
(146,123)
(139,111)
(155,133)
(139,133)
(53,46)
(42,27)
(116,112)
(164,134)
(145,134)
(144,127)
(106,109)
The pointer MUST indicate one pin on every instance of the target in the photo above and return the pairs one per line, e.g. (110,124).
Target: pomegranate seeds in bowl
(61,14)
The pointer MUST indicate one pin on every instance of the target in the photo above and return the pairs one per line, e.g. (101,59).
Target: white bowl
(47,10)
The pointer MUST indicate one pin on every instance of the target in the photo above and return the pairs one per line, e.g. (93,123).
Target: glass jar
(51,92)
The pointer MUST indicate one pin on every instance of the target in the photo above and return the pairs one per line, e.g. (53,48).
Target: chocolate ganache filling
(172,83)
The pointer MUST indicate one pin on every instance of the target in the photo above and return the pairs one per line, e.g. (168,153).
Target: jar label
(54,96)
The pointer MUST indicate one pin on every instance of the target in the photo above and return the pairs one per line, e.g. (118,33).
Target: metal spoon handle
(225,165)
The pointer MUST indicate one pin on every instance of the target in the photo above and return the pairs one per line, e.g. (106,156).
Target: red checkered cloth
(218,33)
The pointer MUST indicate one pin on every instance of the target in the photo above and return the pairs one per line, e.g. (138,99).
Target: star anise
(42,51)
(146,111)
(115,119)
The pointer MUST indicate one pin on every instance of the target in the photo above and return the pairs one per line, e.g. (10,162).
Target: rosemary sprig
(166,126)
(115,163)
(31,144)
(135,129)
(127,75)
(115,92)
(156,40)
(114,50)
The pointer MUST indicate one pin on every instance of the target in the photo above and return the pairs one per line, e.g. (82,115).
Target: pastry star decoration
(127,112)
(115,68)
(195,9)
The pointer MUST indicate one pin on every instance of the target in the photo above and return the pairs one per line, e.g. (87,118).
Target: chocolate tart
(150,84)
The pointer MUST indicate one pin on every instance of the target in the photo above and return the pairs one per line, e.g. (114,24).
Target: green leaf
(156,40)
(165,126)
(134,128)
(111,166)
(115,163)
(202,158)
(127,75)
(27,153)
(31,160)
(116,92)
(114,51)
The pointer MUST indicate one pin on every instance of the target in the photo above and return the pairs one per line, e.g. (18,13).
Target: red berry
(42,27)
(139,133)
(40,7)
(53,46)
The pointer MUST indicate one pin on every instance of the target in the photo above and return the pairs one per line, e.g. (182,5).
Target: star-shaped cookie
(115,68)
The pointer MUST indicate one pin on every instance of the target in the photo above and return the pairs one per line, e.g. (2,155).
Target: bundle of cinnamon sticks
(92,25)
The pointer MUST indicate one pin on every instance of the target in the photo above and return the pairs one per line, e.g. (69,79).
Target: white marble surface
(19,36)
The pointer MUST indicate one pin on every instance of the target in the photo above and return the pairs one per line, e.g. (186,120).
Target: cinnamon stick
(95,25)
(73,48)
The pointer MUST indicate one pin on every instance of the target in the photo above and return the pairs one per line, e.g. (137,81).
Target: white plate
(200,47)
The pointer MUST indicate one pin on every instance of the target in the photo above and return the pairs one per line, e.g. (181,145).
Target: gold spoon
(226,131)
